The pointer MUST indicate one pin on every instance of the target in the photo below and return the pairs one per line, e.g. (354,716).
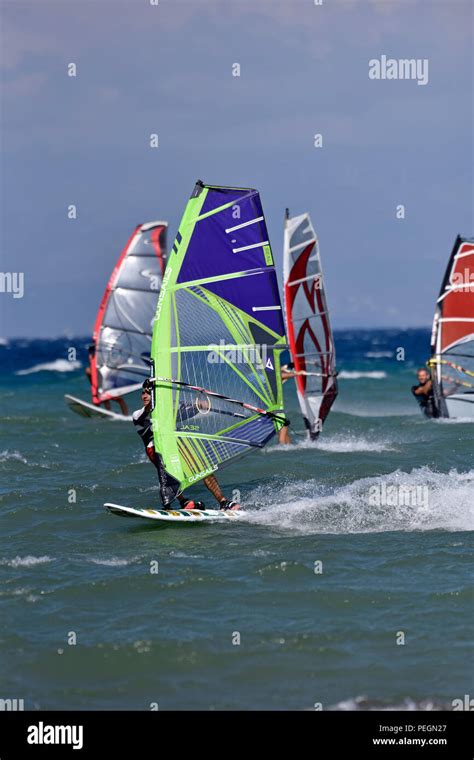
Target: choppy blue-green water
(318,584)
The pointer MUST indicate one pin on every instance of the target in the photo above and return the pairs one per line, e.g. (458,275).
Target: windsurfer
(423,393)
(287,371)
(88,371)
(142,420)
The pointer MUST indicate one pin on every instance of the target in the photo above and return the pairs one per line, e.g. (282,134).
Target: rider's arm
(423,389)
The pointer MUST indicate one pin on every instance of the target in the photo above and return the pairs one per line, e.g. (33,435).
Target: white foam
(379,354)
(338,444)
(405,704)
(58,365)
(4,342)
(309,508)
(454,420)
(28,561)
(113,561)
(6,455)
(355,375)
(348,444)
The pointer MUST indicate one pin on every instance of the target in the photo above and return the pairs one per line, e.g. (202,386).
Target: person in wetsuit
(287,371)
(423,392)
(168,485)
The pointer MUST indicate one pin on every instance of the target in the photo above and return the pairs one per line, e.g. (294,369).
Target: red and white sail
(452,339)
(124,323)
(308,327)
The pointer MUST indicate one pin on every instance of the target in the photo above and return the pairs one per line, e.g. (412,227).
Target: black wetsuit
(169,486)
(426,401)
(142,420)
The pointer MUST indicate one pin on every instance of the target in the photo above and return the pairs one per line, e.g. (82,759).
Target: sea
(347,587)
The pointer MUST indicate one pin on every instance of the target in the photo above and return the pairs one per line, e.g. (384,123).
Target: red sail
(309,332)
(452,340)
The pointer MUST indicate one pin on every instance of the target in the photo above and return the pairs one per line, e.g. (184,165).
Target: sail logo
(12,282)
(164,285)
(46,734)
(402,68)
(251,353)
(202,474)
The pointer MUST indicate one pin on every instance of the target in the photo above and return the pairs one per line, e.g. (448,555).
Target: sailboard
(85,409)
(188,516)
(452,338)
(308,327)
(217,339)
(120,352)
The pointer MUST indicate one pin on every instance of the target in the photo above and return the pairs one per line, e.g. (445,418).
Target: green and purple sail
(219,326)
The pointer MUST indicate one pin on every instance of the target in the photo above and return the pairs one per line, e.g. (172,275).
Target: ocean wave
(378,410)
(348,444)
(4,342)
(379,354)
(6,455)
(337,444)
(454,420)
(28,561)
(58,365)
(355,375)
(15,456)
(113,561)
(420,500)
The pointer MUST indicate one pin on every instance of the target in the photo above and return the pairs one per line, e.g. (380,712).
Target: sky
(166,67)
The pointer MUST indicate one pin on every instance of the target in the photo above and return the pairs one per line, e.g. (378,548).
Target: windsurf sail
(120,353)
(308,327)
(452,338)
(217,339)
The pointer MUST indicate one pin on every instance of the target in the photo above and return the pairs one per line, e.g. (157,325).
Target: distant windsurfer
(423,393)
(142,421)
(287,371)
(88,371)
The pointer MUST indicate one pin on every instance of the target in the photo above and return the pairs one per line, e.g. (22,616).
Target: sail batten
(124,323)
(308,326)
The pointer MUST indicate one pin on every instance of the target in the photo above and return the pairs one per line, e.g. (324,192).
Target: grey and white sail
(119,356)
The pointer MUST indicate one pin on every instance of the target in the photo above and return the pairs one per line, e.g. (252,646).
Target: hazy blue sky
(168,69)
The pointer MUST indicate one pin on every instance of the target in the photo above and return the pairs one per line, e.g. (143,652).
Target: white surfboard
(84,409)
(176,515)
